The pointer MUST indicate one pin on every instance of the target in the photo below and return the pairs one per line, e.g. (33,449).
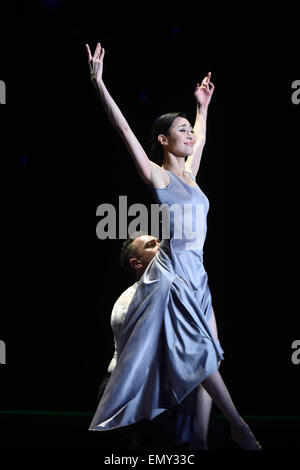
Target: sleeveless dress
(166,348)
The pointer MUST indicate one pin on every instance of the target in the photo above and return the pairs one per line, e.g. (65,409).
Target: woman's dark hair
(162,126)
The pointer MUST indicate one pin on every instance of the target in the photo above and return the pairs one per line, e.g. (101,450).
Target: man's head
(137,253)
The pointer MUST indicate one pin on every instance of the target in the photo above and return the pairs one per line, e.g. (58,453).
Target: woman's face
(180,140)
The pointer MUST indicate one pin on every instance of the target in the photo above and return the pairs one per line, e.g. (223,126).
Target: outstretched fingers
(97,51)
(208,83)
(206,80)
(211,86)
(98,54)
(89,52)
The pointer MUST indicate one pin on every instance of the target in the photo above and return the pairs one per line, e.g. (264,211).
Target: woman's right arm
(149,171)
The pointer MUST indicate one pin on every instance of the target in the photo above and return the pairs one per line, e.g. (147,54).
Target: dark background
(61,159)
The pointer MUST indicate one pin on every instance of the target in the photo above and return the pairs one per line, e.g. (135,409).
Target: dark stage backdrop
(61,159)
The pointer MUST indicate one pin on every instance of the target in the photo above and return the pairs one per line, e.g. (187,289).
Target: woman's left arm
(203,94)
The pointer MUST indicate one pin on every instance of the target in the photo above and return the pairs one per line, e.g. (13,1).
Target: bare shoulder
(159,177)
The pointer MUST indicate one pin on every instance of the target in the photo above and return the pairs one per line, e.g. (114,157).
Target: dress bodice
(184,213)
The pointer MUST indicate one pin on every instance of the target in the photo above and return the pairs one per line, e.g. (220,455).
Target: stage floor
(69,430)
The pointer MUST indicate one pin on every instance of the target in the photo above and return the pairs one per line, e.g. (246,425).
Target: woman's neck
(174,164)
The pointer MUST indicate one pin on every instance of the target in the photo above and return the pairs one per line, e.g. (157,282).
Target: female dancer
(169,351)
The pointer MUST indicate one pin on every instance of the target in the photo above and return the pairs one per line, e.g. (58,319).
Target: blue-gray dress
(166,348)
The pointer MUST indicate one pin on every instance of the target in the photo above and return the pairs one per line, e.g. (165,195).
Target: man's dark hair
(128,251)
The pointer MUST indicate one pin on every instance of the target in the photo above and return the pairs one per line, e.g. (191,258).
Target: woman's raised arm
(148,170)
(203,94)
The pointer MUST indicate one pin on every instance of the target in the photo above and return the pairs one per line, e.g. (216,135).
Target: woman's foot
(243,436)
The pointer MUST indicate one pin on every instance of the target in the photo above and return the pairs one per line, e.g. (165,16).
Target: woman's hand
(96,62)
(203,92)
